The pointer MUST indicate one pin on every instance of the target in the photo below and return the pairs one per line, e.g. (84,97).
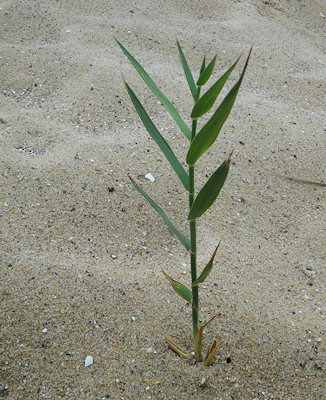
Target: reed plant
(200,140)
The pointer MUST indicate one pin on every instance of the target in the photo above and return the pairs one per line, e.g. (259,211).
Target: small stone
(45,330)
(150,350)
(202,382)
(3,388)
(88,361)
(191,361)
(150,177)
(133,319)
(241,142)
(114,256)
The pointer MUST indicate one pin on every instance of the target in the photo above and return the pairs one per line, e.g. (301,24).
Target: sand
(82,251)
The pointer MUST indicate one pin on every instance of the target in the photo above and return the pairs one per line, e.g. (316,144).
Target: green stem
(193,255)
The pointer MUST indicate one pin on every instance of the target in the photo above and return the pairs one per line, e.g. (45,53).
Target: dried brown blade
(176,348)
(211,354)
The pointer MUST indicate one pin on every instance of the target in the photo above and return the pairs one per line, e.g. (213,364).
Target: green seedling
(199,143)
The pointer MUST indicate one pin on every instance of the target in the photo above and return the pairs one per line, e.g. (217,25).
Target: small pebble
(88,361)
(114,256)
(202,382)
(150,350)
(3,388)
(45,330)
(191,361)
(150,177)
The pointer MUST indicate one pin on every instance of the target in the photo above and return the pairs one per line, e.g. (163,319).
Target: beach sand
(82,251)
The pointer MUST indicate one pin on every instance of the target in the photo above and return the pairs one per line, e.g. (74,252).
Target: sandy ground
(81,251)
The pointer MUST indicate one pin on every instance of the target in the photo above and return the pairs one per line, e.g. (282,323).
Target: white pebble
(88,361)
(44,330)
(150,350)
(114,256)
(150,177)
(202,382)
(133,318)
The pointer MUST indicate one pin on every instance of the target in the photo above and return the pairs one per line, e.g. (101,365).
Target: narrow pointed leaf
(181,289)
(210,191)
(206,102)
(206,270)
(155,134)
(206,74)
(187,72)
(208,134)
(152,85)
(203,65)
(183,239)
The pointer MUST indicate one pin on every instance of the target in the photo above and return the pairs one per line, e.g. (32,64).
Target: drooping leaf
(152,85)
(206,270)
(208,134)
(183,239)
(155,134)
(181,289)
(206,102)
(187,72)
(209,191)
(206,74)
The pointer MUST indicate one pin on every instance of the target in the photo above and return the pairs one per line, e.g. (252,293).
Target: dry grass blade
(176,348)
(211,354)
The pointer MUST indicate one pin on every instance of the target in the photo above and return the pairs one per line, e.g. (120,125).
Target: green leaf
(152,85)
(155,134)
(210,191)
(203,64)
(181,289)
(183,239)
(206,102)
(206,270)
(187,72)
(208,134)
(205,75)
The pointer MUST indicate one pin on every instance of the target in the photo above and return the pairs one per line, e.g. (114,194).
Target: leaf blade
(205,75)
(209,191)
(158,138)
(207,269)
(206,102)
(178,234)
(181,289)
(157,92)
(187,72)
(208,134)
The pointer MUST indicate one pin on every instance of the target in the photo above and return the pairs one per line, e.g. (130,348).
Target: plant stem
(193,255)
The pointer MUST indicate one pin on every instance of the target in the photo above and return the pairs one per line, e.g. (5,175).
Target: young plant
(199,143)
